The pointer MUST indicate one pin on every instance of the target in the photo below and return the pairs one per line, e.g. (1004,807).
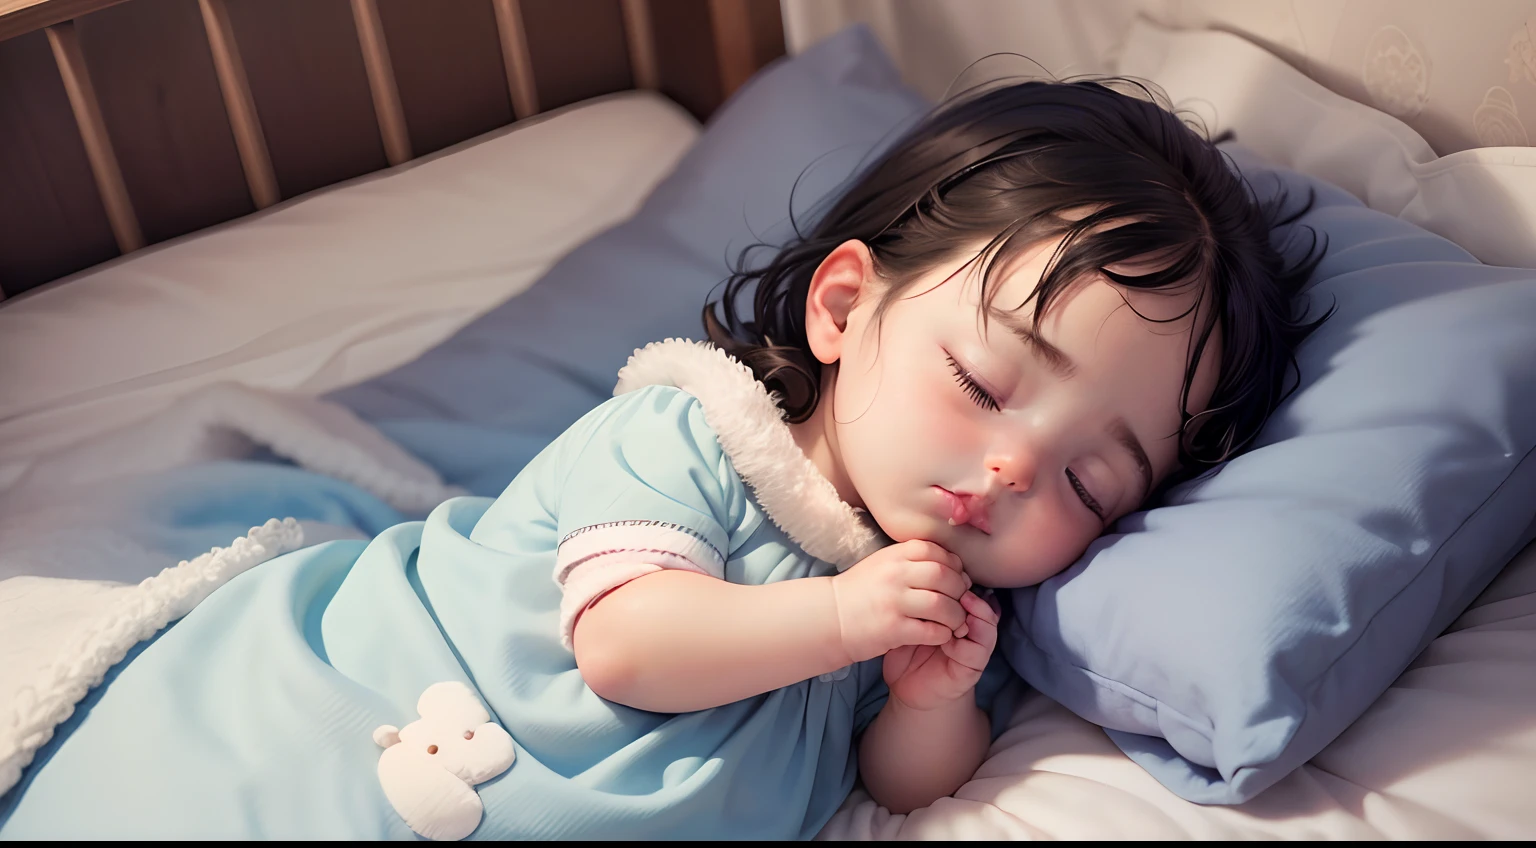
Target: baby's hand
(904,594)
(923,677)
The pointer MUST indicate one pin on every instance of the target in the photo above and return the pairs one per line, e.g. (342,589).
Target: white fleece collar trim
(751,428)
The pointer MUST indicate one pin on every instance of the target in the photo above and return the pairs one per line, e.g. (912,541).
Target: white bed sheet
(329,288)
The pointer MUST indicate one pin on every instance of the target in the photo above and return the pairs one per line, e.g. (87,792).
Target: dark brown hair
(1117,177)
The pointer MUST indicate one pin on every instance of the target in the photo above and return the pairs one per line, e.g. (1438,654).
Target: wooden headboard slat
(642,44)
(243,118)
(381,81)
(733,42)
(515,55)
(307,77)
(93,131)
(23,16)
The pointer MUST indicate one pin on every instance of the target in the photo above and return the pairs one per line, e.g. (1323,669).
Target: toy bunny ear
(386,735)
(453,702)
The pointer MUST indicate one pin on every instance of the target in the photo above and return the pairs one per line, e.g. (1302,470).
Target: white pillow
(1483,199)
(332,287)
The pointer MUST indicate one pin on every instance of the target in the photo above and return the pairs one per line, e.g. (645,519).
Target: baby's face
(1031,444)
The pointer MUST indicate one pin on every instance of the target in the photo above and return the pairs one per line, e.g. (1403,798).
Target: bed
(240,250)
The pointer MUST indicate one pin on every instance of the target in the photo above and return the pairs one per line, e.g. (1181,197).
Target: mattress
(329,288)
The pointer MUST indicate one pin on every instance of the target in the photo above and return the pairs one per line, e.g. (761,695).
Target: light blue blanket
(253,717)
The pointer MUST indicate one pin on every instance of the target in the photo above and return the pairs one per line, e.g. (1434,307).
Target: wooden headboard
(128,122)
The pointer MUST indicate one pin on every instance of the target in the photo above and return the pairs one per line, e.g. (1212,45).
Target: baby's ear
(840,281)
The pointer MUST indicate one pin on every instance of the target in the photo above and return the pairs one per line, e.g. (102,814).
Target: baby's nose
(1015,470)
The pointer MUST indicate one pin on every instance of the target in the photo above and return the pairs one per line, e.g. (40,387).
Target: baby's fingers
(938,577)
(968,653)
(932,606)
(918,632)
(979,607)
(982,631)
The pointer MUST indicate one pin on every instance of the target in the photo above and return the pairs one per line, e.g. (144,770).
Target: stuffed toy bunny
(429,767)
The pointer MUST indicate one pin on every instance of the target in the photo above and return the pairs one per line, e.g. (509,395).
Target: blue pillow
(532,366)
(1226,637)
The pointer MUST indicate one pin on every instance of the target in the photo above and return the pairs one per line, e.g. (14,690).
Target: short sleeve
(650,489)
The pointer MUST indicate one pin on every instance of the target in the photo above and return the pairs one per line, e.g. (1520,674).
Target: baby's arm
(678,641)
(911,758)
(930,737)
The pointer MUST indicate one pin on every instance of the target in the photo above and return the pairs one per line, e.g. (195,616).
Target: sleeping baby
(756,574)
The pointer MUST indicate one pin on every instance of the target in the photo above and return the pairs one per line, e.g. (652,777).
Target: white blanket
(58,637)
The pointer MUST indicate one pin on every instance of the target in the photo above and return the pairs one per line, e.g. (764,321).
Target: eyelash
(1082,494)
(972,389)
(984,399)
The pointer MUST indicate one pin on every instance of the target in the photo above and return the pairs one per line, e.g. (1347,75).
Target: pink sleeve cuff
(594,561)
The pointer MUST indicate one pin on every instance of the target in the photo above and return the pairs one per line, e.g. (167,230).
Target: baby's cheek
(1034,549)
(947,420)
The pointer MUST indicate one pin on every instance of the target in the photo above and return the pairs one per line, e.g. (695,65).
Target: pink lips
(966,510)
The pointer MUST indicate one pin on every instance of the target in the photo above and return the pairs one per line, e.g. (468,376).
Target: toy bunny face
(472,752)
